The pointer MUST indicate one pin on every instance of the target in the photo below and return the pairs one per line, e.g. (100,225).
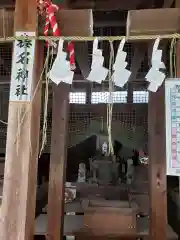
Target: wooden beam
(19,192)
(152,21)
(58,161)
(7,3)
(168,3)
(157,165)
(96,5)
(177,3)
(104,5)
(106,23)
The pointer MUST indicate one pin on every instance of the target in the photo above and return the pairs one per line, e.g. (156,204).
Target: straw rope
(46,93)
(110,101)
(173,38)
(104,38)
(172,58)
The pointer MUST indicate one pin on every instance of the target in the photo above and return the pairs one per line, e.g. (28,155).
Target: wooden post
(130,93)
(157,165)
(60,123)
(88,93)
(19,192)
(58,161)
(177,4)
(139,54)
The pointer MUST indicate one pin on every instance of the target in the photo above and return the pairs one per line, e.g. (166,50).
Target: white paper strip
(154,76)
(155,46)
(121,45)
(60,46)
(98,74)
(152,87)
(22,68)
(95,46)
(120,60)
(172,104)
(60,71)
(97,60)
(121,77)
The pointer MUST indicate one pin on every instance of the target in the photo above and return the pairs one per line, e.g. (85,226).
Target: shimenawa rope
(104,38)
(110,101)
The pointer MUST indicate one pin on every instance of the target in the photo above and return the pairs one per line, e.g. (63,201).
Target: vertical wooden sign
(22,68)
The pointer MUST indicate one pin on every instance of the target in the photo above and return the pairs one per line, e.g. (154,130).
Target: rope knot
(43,6)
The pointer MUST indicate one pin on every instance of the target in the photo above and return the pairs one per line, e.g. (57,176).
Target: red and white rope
(49,9)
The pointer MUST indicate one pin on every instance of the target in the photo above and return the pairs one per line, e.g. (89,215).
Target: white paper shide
(61,71)
(121,74)
(98,73)
(22,68)
(155,77)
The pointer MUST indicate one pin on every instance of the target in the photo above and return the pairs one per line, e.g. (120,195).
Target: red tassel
(71,55)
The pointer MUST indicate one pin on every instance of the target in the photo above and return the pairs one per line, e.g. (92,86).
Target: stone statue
(82,173)
(105,149)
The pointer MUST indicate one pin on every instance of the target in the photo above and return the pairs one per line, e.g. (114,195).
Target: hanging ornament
(121,74)
(98,72)
(45,7)
(155,77)
(61,71)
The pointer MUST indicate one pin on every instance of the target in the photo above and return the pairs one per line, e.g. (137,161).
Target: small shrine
(89,119)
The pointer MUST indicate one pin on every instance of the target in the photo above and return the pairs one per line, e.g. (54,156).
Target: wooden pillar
(177,5)
(60,124)
(130,93)
(19,192)
(58,161)
(88,93)
(157,165)
(139,54)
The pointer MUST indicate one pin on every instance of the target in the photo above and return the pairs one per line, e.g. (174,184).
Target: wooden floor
(74,224)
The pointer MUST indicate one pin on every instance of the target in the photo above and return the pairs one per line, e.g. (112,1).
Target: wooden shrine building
(53,130)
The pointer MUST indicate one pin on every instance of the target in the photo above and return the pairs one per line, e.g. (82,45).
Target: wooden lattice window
(103,97)
(140,96)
